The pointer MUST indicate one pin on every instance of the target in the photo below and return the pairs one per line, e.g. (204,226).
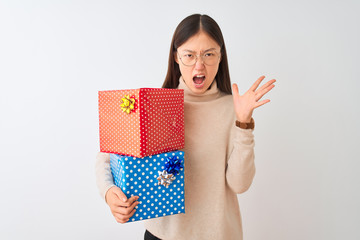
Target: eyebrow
(207,50)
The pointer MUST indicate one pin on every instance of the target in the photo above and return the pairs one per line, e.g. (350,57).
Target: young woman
(219,140)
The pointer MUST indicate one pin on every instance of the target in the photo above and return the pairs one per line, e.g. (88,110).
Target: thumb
(120,194)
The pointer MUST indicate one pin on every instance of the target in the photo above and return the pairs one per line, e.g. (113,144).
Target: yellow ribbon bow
(128,104)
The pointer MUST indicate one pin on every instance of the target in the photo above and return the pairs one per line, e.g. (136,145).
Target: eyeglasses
(209,58)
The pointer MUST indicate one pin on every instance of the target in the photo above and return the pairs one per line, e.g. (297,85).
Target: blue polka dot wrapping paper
(144,177)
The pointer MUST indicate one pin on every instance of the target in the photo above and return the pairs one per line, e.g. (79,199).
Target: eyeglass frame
(197,57)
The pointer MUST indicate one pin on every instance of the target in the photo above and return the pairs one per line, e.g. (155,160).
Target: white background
(56,55)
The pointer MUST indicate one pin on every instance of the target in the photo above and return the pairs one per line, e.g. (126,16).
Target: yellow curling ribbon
(128,104)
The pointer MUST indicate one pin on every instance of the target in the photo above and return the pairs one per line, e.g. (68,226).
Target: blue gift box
(158,180)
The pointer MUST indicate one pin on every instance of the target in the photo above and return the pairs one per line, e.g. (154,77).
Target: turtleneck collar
(209,95)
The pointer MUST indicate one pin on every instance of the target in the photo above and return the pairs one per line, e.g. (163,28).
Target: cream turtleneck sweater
(219,163)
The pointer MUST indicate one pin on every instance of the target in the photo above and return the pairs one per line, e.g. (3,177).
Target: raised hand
(245,104)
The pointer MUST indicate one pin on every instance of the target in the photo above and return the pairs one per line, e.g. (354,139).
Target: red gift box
(141,122)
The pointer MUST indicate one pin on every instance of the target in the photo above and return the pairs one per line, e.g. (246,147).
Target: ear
(176,57)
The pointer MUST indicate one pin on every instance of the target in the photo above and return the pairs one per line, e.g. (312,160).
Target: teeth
(199,75)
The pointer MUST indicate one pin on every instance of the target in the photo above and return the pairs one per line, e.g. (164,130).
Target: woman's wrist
(248,124)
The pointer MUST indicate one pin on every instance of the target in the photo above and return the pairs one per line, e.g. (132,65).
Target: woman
(219,140)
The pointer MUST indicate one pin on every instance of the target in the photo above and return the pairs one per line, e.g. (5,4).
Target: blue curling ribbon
(173,165)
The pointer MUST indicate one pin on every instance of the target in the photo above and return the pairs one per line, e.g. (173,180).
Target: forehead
(199,42)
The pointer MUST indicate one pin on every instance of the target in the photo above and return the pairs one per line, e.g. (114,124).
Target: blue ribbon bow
(173,165)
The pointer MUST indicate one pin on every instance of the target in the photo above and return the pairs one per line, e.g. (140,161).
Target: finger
(266,85)
(130,214)
(117,191)
(120,218)
(263,92)
(257,83)
(129,201)
(119,203)
(235,90)
(126,210)
(261,103)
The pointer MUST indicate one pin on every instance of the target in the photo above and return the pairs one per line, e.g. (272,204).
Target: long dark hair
(187,28)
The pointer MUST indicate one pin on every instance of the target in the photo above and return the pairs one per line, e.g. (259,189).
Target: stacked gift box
(143,130)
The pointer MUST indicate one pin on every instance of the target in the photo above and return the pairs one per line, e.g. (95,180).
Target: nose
(199,63)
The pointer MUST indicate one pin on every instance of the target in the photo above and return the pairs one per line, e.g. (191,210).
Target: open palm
(245,104)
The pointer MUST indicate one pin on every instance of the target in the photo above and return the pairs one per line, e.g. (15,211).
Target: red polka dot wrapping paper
(155,125)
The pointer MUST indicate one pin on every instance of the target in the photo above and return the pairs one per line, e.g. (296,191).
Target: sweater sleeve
(104,179)
(240,169)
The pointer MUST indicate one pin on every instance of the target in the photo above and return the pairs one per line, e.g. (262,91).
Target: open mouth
(199,80)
